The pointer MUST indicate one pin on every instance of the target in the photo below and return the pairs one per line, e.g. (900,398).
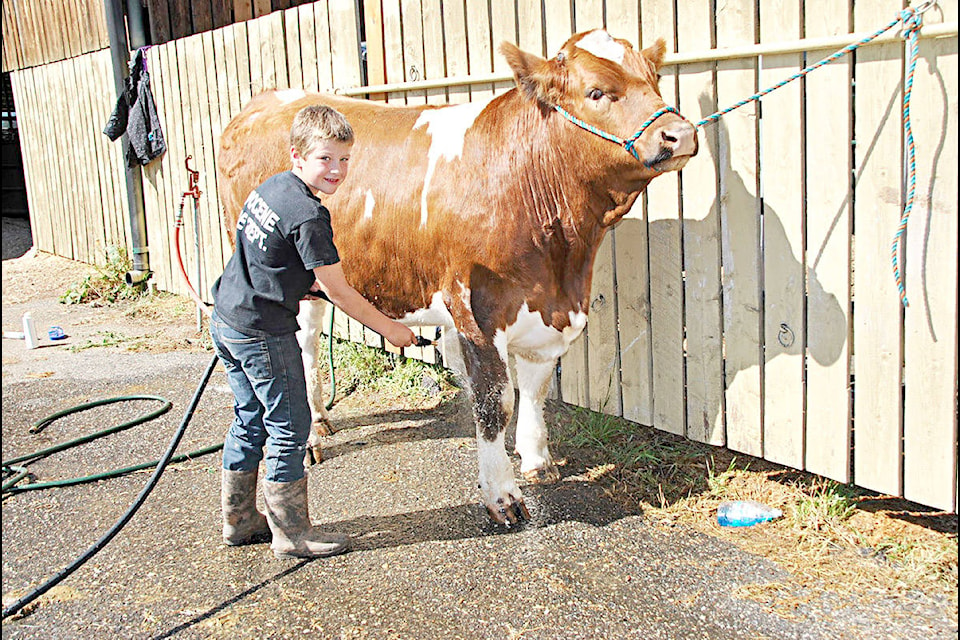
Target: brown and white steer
(484,218)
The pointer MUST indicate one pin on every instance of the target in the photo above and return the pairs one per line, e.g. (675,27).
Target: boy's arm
(338,290)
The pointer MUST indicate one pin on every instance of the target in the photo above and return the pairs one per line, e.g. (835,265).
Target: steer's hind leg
(533,381)
(492,407)
(310,320)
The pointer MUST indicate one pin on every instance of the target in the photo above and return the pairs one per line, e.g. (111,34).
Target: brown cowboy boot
(293,534)
(242,522)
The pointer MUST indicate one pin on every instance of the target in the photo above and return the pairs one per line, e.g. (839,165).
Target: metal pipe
(120,55)
(943,30)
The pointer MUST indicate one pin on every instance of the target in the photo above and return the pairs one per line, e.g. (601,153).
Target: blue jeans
(270,406)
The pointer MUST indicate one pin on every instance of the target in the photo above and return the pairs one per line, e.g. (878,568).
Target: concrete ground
(426,561)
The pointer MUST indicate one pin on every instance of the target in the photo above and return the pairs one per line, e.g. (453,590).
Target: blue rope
(912,22)
(911,25)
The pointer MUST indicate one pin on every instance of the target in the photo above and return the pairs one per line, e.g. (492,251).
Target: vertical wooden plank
(877,331)
(391,16)
(255,46)
(587,15)
(633,307)
(308,47)
(661,204)
(242,10)
(740,229)
(202,15)
(701,236)
(277,44)
(291,32)
(783,278)
(930,418)
(623,20)
(376,63)
(479,50)
(261,8)
(85,162)
(503,27)
(24,95)
(530,26)
(212,126)
(828,195)
(222,13)
(558,26)
(345,43)
(603,356)
(180,18)
(324,55)
(455,47)
(434,59)
(159,14)
(242,52)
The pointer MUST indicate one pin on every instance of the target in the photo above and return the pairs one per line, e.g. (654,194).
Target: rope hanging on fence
(912,22)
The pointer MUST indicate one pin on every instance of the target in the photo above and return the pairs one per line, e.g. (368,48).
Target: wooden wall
(746,302)
(36,32)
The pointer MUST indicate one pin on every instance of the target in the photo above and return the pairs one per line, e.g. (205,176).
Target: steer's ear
(536,77)
(655,52)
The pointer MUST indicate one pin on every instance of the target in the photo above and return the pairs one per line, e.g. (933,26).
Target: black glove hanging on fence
(136,115)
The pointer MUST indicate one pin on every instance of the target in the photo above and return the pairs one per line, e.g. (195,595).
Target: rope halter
(629,143)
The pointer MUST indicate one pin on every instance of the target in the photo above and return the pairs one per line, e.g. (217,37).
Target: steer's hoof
(314,454)
(322,427)
(545,475)
(508,514)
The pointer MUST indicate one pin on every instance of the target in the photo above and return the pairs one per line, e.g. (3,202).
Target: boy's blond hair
(316,123)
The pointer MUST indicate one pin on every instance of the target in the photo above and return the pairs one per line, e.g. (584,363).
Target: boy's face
(325,167)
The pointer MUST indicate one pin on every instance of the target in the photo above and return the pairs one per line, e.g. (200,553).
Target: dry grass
(833,538)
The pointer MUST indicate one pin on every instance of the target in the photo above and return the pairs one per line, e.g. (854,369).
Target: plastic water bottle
(30,331)
(745,513)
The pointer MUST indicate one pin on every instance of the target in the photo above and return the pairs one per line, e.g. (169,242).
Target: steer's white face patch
(602,45)
(447,127)
(286,96)
(368,204)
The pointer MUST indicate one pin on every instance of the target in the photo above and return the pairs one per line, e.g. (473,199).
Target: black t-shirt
(283,232)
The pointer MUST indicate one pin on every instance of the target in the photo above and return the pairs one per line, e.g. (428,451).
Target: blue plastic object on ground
(56,333)
(745,513)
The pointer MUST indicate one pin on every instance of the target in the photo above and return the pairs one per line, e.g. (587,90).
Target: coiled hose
(141,498)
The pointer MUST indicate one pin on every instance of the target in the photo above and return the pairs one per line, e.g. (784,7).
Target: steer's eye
(594,94)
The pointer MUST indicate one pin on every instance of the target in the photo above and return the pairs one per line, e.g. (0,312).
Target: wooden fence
(747,302)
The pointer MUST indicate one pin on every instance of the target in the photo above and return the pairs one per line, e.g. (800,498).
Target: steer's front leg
(492,408)
(310,320)
(533,380)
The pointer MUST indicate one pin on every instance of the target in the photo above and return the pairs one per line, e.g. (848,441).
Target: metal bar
(943,30)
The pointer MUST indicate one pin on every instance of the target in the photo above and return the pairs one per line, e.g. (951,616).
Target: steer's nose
(680,138)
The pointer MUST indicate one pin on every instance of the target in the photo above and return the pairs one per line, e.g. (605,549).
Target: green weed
(108,285)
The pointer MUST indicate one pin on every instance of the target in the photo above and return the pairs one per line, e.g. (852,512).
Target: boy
(284,250)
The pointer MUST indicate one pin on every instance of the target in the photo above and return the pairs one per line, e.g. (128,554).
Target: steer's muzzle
(676,142)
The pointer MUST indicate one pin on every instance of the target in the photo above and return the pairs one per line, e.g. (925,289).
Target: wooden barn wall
(746,302)
(36,32)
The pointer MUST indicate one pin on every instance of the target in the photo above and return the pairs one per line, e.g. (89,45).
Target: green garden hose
(11,466)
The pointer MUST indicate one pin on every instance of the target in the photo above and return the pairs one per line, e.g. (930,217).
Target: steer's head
(607,85)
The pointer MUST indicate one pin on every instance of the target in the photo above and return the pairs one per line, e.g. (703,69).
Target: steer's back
(256,143)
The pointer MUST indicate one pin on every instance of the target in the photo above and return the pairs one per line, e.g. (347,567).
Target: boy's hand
(400,335)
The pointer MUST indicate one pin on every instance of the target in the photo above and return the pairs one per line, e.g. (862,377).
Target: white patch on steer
(436,314)
(286,96)
(602,45)
(447,127)
(368,204)
(535,340)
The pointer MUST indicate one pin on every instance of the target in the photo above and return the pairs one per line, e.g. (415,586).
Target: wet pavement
(426,562)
